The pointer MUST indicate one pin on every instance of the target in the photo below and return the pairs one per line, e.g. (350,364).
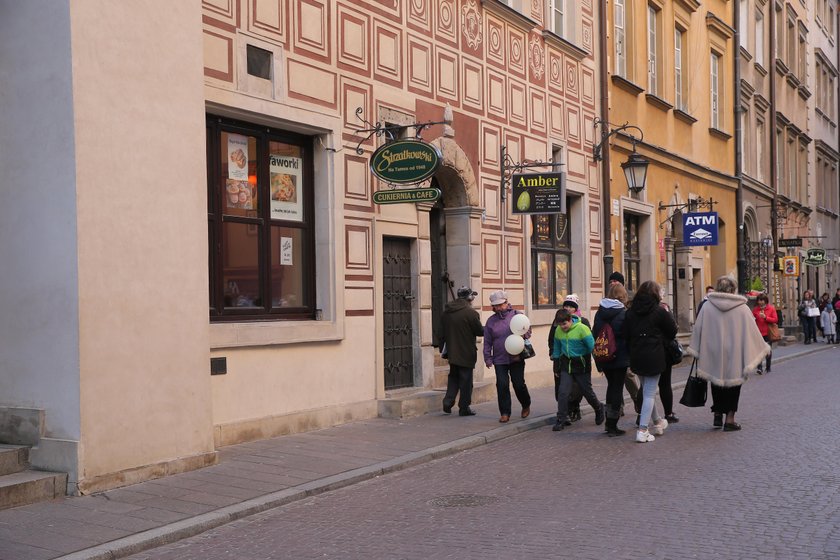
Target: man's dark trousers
(460,380)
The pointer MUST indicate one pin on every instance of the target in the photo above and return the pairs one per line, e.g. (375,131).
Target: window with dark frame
(632,256)
(260,222)
(551,258)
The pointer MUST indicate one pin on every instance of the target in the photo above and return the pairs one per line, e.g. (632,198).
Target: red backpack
(605,345)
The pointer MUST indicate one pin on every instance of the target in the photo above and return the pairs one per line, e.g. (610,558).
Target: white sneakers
(659,427)
(644,436)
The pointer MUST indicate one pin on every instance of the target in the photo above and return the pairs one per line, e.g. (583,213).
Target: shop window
(260,222)
(551,258)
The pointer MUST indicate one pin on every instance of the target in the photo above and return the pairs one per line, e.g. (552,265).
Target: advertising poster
(539,193)
(286,180)
(237,149)
(790,266)
(286,251)
(240,194)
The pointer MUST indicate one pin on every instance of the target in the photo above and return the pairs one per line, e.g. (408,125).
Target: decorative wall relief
(536,57)
(471,24)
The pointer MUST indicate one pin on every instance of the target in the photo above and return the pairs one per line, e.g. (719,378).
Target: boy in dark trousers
(573,345)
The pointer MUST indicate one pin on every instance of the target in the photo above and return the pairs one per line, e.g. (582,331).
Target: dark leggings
(666,394)
(615,388)
(770,355)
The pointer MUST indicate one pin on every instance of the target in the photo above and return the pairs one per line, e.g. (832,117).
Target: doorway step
(20,485)
(416,401)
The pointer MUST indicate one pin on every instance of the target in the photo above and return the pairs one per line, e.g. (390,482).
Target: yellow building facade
(670,75)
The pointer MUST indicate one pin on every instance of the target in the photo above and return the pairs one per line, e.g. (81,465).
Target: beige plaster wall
(142,241)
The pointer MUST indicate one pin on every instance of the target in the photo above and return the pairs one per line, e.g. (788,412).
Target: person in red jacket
(765,314)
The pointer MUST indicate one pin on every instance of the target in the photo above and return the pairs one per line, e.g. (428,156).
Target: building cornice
(719,26)
(567,47)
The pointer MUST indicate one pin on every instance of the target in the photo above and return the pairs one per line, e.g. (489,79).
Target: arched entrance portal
(454,232)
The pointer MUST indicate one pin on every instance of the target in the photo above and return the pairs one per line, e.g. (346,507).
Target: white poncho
(726,340)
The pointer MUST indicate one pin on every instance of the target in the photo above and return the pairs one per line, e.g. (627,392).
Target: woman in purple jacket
(509,369)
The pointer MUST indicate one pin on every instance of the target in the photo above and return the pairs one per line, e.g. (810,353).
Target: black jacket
(461,324)
(647,326)
(615,317)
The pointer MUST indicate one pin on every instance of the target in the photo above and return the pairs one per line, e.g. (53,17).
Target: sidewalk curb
(173,532)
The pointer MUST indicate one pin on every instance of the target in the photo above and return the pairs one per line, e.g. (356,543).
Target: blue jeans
(648,389)
(507,374)
(809,327)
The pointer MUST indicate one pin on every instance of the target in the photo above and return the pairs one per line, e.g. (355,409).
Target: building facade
(670,75)
(210,266)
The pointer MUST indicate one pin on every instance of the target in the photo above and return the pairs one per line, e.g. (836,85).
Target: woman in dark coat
(611,312)
(646,328)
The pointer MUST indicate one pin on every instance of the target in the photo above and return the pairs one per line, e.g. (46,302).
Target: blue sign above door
(700,228)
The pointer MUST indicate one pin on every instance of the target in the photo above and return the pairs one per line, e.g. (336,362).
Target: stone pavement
(257,476)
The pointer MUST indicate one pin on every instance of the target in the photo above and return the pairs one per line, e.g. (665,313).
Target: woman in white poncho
(728,347)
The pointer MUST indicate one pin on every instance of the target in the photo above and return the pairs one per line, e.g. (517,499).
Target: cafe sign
(405,161)
(815,257)
(397,196)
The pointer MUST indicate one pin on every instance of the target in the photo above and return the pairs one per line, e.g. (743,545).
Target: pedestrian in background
(825,301)
(728,347)
(509,369)
(828,318)
(646,326)
(709,290)
(765,315)
(461,326)
(611,311)
(630,382)
(571,303)
(808,313)
(666,392)
(573,344)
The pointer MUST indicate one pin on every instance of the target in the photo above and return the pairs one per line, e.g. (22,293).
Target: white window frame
(620,23)
(679,101)
(759,37)
(653,85)
(558,8)
(715,90)
(742,13)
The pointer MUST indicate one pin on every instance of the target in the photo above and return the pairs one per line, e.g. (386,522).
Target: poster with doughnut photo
(285,178)
(237,149)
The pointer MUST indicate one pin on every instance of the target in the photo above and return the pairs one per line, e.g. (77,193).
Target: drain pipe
(739,169)
(606,238)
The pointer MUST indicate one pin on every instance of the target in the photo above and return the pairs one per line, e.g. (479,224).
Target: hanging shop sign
(790,242)
(539,193)
(700,228)
(405,161)
(397,196)
(790,266)
(815,257)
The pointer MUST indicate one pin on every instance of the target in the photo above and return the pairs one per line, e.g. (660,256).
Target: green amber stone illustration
(524,201)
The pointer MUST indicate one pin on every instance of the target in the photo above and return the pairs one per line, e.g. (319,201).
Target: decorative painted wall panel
(387,53)
(311,33)
(491,256)
(357,242)
(357,189)
(446,64)
(419,14)
(490,199)
(513,258)
(536,60)
(537,108)
(573,134)
(587,82)
(517,106)
(489,147)
(496,95)
(224,13)
(557,117)
(218,55)
(355,94)
(517,49)
(473,85)
(267,18)
(446,22)
(472,33)
(420,78)
(312,84)
(354,41)
(571,77)
(496,45)
(555,71)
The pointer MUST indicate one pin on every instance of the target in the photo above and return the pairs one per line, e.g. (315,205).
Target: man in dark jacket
(461,325)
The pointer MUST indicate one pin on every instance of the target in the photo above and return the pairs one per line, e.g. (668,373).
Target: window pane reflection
(241,268)
(287,267)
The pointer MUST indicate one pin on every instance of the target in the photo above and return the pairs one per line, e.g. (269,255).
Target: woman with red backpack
(610,353)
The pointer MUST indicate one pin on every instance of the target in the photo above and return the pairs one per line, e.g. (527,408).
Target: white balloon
(519,324)
(514,344)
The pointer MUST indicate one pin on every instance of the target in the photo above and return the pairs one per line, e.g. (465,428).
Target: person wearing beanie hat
(571,303)
(510,369)
(616,277)
(461,326)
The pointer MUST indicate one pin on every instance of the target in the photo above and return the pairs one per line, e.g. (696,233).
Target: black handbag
(674,351)
(696,389)
(529,351)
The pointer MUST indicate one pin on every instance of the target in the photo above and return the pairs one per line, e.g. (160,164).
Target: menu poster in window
(286,179)
(286,251)
(237,157)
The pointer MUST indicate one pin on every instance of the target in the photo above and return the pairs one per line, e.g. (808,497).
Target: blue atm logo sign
(700,228)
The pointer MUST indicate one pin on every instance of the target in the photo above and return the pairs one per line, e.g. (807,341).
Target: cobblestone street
(771,490)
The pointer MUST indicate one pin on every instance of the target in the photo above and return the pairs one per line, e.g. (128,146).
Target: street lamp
(636,166)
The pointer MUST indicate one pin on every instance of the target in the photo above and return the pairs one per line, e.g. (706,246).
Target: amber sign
(539,193)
